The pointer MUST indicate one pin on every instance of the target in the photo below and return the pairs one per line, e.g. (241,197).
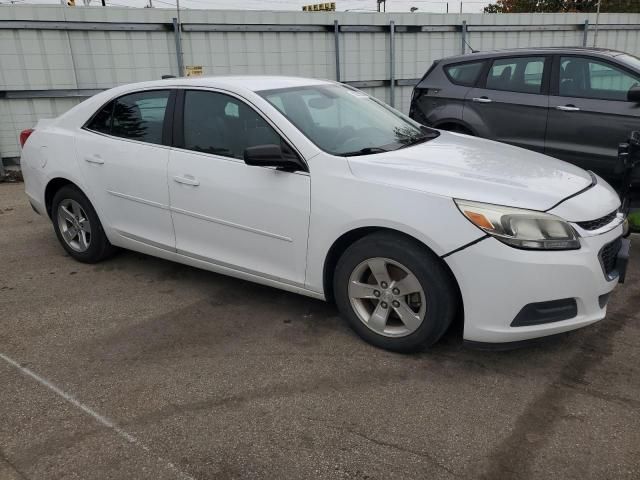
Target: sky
(431,6)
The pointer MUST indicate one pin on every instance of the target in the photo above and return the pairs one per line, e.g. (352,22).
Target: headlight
(521,228)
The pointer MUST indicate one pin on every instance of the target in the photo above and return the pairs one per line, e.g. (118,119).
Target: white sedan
(317,188)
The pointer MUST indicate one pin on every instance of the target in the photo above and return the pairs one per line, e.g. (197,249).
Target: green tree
(563,6)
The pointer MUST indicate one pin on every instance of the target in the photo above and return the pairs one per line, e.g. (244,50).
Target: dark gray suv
(576,104)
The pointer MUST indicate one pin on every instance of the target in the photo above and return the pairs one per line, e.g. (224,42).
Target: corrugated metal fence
(52,57)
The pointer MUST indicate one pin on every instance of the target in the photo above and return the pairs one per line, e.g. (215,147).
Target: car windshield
(344,121)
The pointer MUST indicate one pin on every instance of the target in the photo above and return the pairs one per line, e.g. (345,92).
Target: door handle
(94,159)
(187,180)
(568,108)
(482,99)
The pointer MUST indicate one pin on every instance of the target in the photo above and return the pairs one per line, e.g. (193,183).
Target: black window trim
(555,84)
(178,124)
(546,73)
(445,68)
(166,125)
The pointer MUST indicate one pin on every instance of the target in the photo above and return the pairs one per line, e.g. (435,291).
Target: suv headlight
(521,228)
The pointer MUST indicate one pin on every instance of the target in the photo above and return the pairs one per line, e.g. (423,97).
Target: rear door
(589,114)
(510,103)
(123,155)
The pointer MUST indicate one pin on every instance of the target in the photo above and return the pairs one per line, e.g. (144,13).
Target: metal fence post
(392,62)
(336,37)
(176,31)
(586,33)
(464,36)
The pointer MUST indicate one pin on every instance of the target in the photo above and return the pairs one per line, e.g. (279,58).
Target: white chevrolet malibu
(317,188)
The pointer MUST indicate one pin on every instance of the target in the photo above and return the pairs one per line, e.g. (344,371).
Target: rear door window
(140,116)
(518,74)
(464,73)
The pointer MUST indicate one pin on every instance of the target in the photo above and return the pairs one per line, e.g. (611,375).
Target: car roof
(536,50)
(252,83)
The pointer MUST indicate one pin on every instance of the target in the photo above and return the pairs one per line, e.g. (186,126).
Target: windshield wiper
(364,151)
(419,139)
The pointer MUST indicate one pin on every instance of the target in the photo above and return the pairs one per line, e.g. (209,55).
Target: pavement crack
(619,399)
(513,457)
(381,443)
(8,470)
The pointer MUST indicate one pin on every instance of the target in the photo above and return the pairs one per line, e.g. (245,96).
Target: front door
(247,218)
(510,104)
(124,165)
(589,114)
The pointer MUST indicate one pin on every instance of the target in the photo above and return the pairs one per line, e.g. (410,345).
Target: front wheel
(395,293)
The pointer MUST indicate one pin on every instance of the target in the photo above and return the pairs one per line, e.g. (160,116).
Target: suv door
(510,103)
(589,113)
(226,212)
(123,154)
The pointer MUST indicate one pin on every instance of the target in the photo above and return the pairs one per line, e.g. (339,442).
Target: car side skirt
(169,253)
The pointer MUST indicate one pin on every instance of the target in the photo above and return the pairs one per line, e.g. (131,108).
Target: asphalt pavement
(139,368)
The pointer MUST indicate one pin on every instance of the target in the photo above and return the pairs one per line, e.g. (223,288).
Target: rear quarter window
(101,122)
(464,73)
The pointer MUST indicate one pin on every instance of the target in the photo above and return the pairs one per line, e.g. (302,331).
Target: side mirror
(633,95)
(272,155)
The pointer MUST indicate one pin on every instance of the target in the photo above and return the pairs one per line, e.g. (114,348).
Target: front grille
(609,256)
(598,222)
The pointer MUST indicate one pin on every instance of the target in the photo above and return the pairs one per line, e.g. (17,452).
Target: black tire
(434,278)
(99,247)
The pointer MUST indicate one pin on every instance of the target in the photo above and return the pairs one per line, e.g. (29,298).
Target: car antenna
(470,47)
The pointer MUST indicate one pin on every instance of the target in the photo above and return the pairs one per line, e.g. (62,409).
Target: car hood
(470,168)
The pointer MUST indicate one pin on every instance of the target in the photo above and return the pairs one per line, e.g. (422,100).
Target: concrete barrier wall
(53,57)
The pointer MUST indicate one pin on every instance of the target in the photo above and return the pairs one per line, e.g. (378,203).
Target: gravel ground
(141,368)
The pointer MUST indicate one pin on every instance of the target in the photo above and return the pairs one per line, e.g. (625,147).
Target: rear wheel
(395,293)
(78,228)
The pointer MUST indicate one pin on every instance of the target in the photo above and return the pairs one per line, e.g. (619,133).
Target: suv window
(522,75)
(220,124)
(590,78)
(464,73)
(140,116)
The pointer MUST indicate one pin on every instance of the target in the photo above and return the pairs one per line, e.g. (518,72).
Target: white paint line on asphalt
(96,416)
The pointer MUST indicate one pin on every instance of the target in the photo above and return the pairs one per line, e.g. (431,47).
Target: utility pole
(179,42)
(595,35)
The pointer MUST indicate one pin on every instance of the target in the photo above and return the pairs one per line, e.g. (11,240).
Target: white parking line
(96,416)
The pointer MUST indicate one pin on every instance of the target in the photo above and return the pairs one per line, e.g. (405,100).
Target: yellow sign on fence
(193,70)
(320,7)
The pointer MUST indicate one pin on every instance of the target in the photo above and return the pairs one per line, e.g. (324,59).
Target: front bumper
(497,282)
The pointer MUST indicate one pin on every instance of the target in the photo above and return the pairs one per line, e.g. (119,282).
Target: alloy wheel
(74,225)
(387,297)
